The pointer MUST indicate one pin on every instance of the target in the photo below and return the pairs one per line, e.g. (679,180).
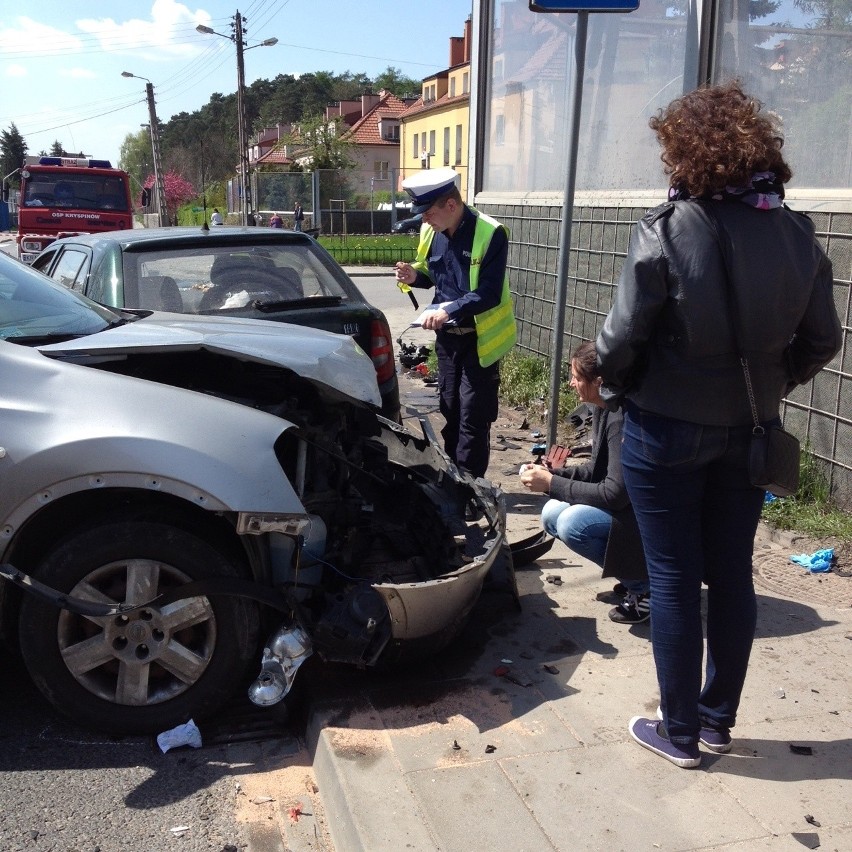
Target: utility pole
(245,186)
(158,163)
(244,179)
(154,126)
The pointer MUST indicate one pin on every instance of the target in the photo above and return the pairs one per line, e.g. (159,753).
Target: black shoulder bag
(773,462)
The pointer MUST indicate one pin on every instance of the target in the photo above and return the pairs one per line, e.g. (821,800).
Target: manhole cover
(776,572)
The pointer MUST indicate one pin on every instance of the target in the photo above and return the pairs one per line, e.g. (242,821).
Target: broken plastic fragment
(501,671)
(179,830)
(186,734)
(812,820)
(490,748)
(456,746)
(550,669)
(800,749)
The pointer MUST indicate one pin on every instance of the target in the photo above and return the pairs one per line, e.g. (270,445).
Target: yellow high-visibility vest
(495,328)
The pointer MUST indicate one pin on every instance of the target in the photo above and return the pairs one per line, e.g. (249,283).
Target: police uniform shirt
(449,265)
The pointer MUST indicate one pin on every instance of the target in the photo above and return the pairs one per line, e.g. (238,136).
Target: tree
(393,80)
(56,149)
(178,191)
(13,150)
(321,144)
(137,159)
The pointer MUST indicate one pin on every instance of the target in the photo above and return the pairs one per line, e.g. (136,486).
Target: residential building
(435,128)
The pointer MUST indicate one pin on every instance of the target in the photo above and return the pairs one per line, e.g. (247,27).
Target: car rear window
(213,278)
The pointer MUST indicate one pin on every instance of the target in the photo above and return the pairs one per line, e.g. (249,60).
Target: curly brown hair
(715,137)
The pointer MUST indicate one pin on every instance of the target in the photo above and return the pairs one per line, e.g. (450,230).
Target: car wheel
(151,669)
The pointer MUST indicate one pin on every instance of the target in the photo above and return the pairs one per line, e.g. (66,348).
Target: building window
(465,83)
(432,142)
(415,148)
(452,87)
(458,144)
(446,146)
(381,170)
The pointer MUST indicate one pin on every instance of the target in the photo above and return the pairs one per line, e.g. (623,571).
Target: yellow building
(434,130)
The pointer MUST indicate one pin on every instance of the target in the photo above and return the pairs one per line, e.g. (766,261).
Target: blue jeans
(698,515)
(585,530)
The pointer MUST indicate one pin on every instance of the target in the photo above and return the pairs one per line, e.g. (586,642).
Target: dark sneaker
(717,741)
(634,609)
(648,733)
(619,589)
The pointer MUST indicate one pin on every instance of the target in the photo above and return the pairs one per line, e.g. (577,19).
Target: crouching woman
(589,509)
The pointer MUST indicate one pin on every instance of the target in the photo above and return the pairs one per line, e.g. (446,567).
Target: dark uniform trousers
(468,401)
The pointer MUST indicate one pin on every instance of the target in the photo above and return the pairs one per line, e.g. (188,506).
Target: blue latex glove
(818,562)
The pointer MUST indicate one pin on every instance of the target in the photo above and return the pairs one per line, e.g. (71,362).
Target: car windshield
(33,308)
(233,278)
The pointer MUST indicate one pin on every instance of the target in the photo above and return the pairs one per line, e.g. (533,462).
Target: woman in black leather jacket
(667,353)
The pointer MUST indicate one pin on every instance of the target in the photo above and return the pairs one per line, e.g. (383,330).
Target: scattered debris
(550,669)
(186,734)
(179,830)
(818,562)
(489,749)
(518,678)
(501,671)
(456,746)
(779,693)
(262,800)
(813,821)
(808,839)
(553,578)
(507,662)
(801,749)
(294,813)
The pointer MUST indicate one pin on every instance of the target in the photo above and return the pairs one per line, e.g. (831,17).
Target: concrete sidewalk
(516,738)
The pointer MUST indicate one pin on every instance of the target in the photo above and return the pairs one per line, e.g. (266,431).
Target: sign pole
(566,227)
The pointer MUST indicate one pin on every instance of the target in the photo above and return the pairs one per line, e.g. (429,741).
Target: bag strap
(723,241)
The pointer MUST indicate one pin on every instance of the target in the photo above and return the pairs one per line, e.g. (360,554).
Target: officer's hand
(405,272)
(435,319)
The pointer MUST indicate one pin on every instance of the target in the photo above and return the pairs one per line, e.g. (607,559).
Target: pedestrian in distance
(275,221)
(462,254)
(298,216)
(216,217)
(589,509)
(724,260)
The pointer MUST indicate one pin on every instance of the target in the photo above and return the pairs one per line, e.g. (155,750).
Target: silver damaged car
(185,496)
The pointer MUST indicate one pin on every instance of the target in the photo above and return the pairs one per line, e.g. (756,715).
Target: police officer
(462,254)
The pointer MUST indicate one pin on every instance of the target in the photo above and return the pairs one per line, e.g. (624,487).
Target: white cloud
(27,35)
(16,71)
(171,30)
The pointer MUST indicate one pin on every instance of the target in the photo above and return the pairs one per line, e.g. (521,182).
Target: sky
(61,61)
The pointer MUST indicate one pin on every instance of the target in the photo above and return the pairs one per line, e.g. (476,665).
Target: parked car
(258,273)
(182,494)
(409,226)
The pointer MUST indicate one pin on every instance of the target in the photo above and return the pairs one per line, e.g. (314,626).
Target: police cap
(428,185)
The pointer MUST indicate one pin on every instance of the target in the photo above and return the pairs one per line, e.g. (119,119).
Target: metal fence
(819,413)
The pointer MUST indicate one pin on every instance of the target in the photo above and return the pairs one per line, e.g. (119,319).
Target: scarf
(763,191)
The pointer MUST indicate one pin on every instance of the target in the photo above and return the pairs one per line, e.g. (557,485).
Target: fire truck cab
(64,196)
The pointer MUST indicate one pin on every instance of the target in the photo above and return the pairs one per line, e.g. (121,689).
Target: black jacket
(600,483)
(667,343)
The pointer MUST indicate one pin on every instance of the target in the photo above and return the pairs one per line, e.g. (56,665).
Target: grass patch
(811,511)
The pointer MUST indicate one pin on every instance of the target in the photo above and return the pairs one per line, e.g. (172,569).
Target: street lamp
(243,170)
(159,185)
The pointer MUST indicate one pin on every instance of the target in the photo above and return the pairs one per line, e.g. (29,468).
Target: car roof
(153,238)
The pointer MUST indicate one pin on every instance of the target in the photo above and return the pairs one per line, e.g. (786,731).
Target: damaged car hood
(334,360)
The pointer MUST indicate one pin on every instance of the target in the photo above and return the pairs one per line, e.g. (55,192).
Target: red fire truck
(63,196)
